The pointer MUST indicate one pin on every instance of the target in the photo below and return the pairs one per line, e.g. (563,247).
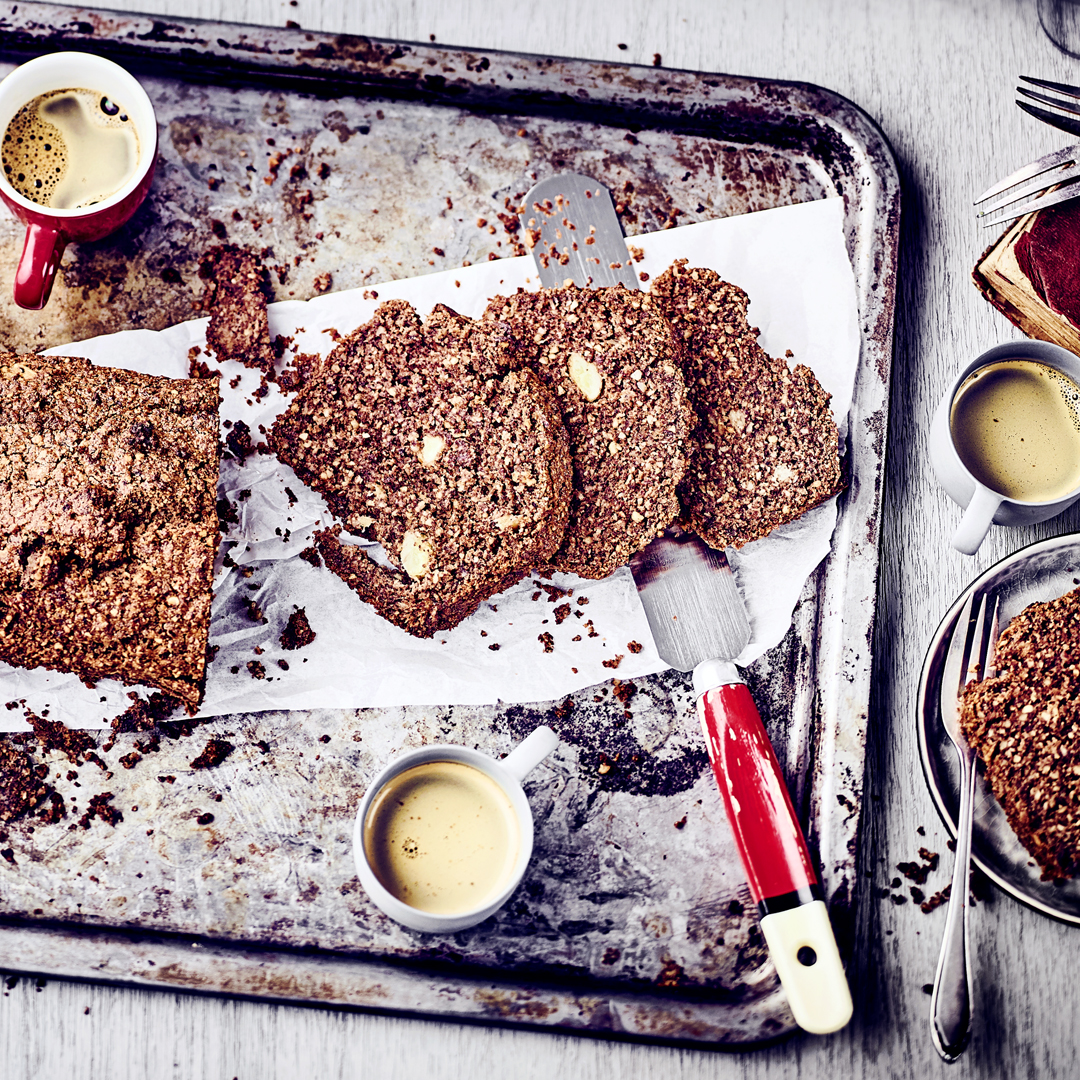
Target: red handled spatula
(699,624)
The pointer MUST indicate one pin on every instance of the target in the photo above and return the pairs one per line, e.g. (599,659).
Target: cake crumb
(214,753)
(297,633)
(21,789)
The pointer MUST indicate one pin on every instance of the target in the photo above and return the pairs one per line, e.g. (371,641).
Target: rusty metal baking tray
(350,161)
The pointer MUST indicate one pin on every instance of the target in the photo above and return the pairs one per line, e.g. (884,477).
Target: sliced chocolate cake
(461,474)
(765,447)
(609,358)
(236,293)
(108,484)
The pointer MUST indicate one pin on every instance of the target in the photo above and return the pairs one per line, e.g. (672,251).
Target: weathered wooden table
(938,77)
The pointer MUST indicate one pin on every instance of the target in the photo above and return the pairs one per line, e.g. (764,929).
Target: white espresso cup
(417,836)
(983,504)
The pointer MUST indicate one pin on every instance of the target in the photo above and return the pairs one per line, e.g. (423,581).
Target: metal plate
(1040,572)
(352,161)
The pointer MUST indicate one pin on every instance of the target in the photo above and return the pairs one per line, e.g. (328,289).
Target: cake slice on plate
(1024,722)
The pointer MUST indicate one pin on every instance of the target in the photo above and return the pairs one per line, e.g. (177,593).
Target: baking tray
(349,161)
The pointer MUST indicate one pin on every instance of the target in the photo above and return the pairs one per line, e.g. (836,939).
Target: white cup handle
(530,752)
(976,521)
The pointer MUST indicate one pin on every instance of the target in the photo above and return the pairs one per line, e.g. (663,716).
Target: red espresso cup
(49,229)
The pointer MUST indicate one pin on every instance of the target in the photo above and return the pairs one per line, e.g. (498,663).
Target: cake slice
(765,448)
(609,358)
(1024,722)
(108,509)
(236,293)
(461,474)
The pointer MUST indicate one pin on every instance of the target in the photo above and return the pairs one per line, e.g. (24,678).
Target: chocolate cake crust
(108,481)
(765,448)
(610,360)
(1025,725)
(462,475)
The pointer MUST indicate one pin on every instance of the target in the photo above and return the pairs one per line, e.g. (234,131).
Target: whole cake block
(1024,722)
(108,484)
(765,447)
(460,473)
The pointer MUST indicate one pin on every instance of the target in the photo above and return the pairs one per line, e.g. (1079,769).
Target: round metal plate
(1042,571)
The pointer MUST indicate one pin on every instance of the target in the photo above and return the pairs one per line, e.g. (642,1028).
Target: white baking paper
(792,262)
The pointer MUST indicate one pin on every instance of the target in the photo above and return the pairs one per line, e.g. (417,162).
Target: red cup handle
(37,267)
(767,832)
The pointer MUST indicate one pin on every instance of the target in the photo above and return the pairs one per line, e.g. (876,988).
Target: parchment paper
(792,262)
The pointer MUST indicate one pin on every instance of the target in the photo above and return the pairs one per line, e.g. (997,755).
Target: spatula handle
(794,919)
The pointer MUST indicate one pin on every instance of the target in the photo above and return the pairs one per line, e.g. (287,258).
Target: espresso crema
(442,837)
(69,149)
(1016,426)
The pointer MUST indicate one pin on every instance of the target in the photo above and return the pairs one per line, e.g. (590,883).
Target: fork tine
(1061,88)
(989,664)
(956,660)
(1029,206)
(1062,123)
(1070,155)
(1046,99)
(977,654)
(1037,185)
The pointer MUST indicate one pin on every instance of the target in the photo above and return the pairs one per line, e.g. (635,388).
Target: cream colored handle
(807,960)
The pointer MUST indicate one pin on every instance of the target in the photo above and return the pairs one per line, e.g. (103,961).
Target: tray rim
(712,105)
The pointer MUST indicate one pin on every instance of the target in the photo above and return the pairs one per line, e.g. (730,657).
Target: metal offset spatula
(699,624)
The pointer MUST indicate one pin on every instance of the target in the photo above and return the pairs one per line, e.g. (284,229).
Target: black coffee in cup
(69,149)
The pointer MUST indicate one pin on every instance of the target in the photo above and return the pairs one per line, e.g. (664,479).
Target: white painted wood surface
(938,76)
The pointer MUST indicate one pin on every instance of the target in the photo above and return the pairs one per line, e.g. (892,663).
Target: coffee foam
(1016,426)
(442,837)
(64,151)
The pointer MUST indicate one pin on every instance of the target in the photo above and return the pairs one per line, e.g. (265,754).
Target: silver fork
(1062,90)
(1029,189)
(970,658)
(1051,180)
